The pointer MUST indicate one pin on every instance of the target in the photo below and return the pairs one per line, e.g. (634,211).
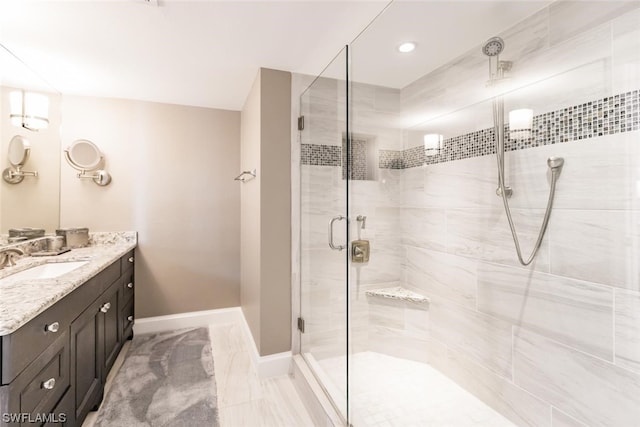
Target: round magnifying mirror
(19,149)
(84,155)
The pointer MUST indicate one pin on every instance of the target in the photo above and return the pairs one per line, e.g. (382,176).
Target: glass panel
(447,327)
(323,200)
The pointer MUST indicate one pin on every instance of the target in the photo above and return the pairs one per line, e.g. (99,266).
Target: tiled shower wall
(556,343)
(553,344)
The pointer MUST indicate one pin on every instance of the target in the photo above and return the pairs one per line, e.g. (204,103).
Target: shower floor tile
(388,391)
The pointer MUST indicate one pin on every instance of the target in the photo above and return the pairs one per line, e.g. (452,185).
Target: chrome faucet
(7,256)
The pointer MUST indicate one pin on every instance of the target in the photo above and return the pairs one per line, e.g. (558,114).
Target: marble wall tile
(402,344)
(386,99)
(626,52)
(569,19)
(577,313)
(386,313)
(586,388)
(485,234)
(412,189)
(323,191)
(385,265)
(589,47)
(463,183)
(424,228)
(416,318)
(323,267)
(485,339)
(627,328)
(438,274)
(600,174)
(516,404)
(323,345)
(599,246)
(560,419)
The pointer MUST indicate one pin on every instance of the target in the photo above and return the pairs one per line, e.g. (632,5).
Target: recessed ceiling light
(406,47)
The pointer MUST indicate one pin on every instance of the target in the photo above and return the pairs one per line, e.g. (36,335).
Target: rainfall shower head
(493,46)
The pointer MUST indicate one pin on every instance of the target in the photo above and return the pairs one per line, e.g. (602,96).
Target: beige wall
(173,168)
(250,211)
(266,212)
(34,201)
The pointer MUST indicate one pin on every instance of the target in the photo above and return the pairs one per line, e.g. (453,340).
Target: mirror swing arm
(16,176)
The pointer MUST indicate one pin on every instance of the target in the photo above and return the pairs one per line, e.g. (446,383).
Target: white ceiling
(207,53)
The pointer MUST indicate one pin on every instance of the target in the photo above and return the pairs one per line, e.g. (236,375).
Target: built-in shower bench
(398,293)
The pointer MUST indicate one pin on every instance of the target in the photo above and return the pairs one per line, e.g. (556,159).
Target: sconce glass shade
(520,123)
(432,144)
(29,110)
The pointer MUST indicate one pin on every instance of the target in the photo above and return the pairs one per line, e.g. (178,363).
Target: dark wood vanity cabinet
(58,384)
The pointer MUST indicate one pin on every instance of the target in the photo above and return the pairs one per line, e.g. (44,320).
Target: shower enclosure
(416,306)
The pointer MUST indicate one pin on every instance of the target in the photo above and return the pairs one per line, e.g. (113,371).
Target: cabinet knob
(130,318)
(49,384)
(105,307)
(130,259)
(53,327)
(130,285)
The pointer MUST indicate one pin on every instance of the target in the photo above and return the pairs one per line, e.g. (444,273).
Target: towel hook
(243,178)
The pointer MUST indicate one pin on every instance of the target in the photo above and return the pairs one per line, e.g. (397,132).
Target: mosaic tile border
(605,116)
(320,155)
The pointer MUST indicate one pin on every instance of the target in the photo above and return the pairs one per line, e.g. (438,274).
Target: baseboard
(266,366)
(192,319)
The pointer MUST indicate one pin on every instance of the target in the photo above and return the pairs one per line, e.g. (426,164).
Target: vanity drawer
(20,348)
(127,261)
(40,387)
(128,285)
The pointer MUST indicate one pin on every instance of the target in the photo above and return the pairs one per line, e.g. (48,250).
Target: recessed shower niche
(360,157)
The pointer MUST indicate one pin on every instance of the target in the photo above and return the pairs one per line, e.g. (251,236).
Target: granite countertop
(23,299)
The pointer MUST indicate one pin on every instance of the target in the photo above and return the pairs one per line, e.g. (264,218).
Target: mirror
(35,202)
(85,156)
(19,149)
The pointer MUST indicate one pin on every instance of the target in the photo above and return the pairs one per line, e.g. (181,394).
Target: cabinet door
(111,332)
(61,414)
(86,361)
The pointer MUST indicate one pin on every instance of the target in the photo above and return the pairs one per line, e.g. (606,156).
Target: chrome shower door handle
(331,245)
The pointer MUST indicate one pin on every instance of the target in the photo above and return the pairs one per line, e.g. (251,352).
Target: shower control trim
(360,250)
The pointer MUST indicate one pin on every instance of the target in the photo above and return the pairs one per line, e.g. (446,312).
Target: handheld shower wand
(492,48)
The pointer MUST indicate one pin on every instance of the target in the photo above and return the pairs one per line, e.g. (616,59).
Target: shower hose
(554,163)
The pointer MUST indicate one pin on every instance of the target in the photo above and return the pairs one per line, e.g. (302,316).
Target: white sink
(47,271)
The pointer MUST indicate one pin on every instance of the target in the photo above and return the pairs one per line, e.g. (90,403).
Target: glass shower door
(323,239)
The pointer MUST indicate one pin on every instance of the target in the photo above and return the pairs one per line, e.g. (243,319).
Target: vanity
(60,335)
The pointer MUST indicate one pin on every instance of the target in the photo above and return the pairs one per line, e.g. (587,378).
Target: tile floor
(243,399)
(388,391)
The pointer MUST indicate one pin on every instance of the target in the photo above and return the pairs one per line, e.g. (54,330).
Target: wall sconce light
(29,110)
(520,123)
(432,144)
